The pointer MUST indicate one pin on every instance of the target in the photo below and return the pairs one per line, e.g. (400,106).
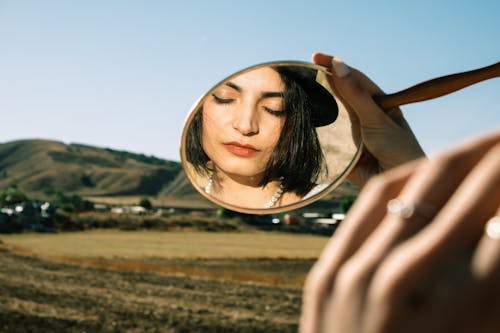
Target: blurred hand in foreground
(428,261)
(387,137)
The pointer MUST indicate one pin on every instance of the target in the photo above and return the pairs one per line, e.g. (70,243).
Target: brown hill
(40,165)
(179,186)
(37,166)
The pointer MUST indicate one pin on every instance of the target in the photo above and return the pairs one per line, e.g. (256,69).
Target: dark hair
(297,156)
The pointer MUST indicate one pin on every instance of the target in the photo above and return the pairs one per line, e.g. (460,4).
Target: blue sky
(123,74)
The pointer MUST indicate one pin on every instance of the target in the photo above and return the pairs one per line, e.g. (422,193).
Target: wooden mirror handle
(437,87)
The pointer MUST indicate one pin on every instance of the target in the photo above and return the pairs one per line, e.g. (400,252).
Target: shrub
(63,221)
(72,203)
(346,203)
(86,180)
(144,202)
(10,224)
(12,195)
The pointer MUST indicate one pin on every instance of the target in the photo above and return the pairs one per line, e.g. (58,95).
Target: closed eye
(278,113)
(221,100)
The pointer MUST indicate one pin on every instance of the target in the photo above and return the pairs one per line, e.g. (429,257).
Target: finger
(425,261)
(375,126)
(366,167)
(485,269)
(344,83)
(435,181)
(359,224)
(354,277)
(351,92)
(352,84)
(325,60)
(486,260)
(473,203)
(421,179)
(362,219)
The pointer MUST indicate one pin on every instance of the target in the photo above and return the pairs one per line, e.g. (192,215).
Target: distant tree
(346,203)
(12,195)
(72,203)
(221,212)
(224,212)
(86,180)
(144,202)
(228,213)
(49,191)
(123,155)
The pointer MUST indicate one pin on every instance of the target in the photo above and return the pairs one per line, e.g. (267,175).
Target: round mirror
(269,138)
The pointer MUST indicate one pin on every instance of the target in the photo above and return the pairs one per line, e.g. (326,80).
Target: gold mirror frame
(333,184)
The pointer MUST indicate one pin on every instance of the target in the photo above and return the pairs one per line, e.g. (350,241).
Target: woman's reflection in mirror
(254,138)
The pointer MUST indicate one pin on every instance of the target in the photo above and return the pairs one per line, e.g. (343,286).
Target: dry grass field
(116,281)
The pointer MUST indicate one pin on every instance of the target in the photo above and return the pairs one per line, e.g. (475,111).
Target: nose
(246,120)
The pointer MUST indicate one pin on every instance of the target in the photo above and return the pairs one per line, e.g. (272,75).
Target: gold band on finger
(492,228)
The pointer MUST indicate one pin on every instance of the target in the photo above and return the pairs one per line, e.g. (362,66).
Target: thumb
(355,89)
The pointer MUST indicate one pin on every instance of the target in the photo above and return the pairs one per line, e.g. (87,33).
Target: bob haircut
(297,157)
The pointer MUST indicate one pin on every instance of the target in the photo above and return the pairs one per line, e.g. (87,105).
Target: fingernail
(339,67)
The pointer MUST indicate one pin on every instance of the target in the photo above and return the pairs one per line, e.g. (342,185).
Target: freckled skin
(242,117)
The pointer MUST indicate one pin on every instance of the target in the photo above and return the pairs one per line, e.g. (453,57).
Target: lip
(241,149)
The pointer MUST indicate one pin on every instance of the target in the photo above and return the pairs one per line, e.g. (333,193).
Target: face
(242,122)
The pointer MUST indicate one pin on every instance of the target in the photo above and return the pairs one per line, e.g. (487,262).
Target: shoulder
(315,190)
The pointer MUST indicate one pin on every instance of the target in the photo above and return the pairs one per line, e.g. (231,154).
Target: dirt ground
(43,296)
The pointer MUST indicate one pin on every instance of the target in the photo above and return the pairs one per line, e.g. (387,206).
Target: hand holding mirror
(271,138)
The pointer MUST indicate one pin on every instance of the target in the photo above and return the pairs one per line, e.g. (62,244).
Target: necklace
(276,196)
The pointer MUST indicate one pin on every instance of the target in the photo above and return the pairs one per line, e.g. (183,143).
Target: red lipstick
(240,149)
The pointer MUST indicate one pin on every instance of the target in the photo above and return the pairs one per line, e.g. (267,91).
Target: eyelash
(276,113)
(218,100)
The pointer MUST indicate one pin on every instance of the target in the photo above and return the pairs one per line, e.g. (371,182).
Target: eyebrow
(234,86)
(265,94)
